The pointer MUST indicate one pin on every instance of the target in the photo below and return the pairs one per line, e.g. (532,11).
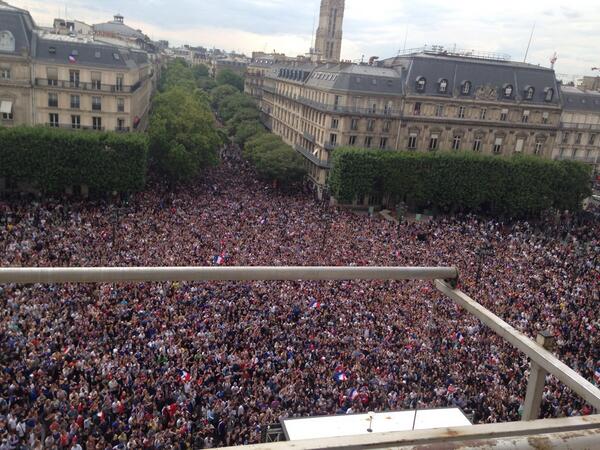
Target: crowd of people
(200,365)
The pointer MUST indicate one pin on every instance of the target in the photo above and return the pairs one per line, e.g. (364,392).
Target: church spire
(328,43)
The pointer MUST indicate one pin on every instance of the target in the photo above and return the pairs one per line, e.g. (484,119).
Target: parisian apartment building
(423,100)
(75,76)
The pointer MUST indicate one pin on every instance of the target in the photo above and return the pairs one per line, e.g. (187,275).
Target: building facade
(425,101)
(328,41)
(70,81)
(579,136)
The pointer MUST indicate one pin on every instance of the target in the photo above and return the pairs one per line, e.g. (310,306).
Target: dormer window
(508,91)
(52,50)
(549,95)
(421,84)
(443,86)
(529,93)
(466,88)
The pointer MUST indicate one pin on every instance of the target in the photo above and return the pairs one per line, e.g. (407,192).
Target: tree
(228,77)
(220,93)
(247,130)
(200,71)
(183,131)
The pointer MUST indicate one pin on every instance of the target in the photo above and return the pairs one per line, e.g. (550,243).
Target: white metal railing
(445,278)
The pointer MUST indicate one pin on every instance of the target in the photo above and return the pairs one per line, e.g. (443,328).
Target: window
(52,50)
(354,124)
(119,84)
(477,144)
(578,139)
(370,125)
(592,139)
(386,126)
(498,145)
(52,100)
(383,142)
(352,140)
(97,123)
(565,138)
(333,138)
(96,103)
(539,147)
(504,115)
(52,74)
(96,81)
(520,144)
(545,117)
(529,93)
(120,124)
(421,84)
(373,109)
(508,91)
(466,88)
(456,142)
(97,55)
(549,95)
(5,74)
(433,141)
(368,141)
(417,110)
(439,110)
(443,86)
(74,78)
(483,113)
(53,120)
(412,141)
(387,109)
(75,102)
(116,56)
(525,116)
(461,112)
(76,122)
(336,102)
(335,123)
(120,105)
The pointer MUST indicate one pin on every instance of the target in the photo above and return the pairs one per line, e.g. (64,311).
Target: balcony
(584,159)
(92,87)
(309,137)
(330,145)
(349,110)
(580,126)
(66,126)
(312,158)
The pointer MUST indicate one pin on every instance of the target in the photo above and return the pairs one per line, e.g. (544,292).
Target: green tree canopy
(226,76)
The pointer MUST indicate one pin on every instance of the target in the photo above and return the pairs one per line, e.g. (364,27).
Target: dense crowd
(196,365)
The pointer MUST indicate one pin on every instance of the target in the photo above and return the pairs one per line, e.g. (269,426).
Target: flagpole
(529,44)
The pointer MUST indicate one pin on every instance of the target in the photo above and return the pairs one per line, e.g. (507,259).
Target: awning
(6,107)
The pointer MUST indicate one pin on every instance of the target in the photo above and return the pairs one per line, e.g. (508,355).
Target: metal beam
(565,433)
(536,352)
(139,274)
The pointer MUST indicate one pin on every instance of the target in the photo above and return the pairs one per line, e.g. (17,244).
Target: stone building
(423,101)
(70,81)
(328,42)
(579,136)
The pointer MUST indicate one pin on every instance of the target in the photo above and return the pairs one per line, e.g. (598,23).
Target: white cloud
(375,27)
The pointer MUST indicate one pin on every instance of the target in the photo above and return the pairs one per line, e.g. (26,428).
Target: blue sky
(373,27)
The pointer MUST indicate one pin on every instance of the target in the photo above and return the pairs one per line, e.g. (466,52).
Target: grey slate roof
(88,53)
(19,23)
(575,99)
(118,28)
(357,78)
(481,73)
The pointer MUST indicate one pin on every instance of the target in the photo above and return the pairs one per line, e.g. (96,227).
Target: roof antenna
(405,39)
(529,44)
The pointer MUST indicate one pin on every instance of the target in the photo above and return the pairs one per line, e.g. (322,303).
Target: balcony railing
(312,158)
(122,129)
(330,145)
(353,110)
(580,126)
(585,159)
(309,137)
(67,126)
(82,86)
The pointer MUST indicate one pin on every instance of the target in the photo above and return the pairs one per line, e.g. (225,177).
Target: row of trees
(273,159)
(518,186)
(50,160)
(184,137)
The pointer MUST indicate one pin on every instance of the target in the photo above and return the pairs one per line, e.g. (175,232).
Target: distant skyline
(375,27)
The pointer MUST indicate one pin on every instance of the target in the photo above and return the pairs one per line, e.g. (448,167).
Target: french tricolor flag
(315,304)
(185,376)
(597,376)
(72,59)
